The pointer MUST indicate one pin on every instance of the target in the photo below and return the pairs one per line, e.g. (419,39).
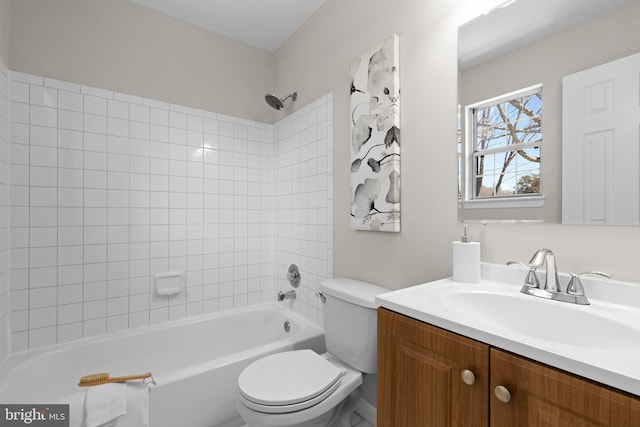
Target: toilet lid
(288,378)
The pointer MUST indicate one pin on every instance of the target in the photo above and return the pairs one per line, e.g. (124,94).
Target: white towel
(137,414)
(76,408)
(105,403)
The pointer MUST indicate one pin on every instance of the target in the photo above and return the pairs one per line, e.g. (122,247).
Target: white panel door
(601,144)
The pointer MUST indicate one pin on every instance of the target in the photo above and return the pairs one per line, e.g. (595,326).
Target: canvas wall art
(375,139)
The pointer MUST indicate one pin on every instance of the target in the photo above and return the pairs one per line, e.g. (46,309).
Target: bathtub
(195,362)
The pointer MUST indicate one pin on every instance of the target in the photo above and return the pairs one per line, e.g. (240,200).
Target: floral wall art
(375,139)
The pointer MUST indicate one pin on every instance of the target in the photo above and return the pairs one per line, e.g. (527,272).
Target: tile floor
(357,420)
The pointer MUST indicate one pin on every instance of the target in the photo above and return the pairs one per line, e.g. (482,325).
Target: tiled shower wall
(303,219)
(107,189)
(4,221)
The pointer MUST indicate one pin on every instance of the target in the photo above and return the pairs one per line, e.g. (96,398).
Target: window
(503,148)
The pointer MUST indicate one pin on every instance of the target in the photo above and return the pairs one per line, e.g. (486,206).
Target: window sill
(515,202)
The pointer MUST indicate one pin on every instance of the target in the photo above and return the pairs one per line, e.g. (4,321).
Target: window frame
(469,200)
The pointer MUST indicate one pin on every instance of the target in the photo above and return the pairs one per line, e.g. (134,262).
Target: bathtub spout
(286,295)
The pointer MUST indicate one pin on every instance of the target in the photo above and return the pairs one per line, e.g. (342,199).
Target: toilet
(302,388)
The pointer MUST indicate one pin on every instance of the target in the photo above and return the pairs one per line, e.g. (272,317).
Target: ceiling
(521,22)
(264,24)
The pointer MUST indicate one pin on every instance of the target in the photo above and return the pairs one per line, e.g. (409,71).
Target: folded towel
(137,414)
(104,403)
(76,408)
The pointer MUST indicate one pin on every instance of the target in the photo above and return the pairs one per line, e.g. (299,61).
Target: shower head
(278,103)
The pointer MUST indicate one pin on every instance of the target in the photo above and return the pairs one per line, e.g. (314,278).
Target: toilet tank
(350,322)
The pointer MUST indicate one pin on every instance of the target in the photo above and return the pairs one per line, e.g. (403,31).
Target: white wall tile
(43,196)
(118,127)
(43,156)
(44,96)
(72,159)
(118,109)
(177,119)
(19,112)
(70,275)
(41,337)
(42,317)
(70,235)
(43,116)
(69,332)
(19,91)
(42,277)
(70,255)
(158,133)
(124,187)
(70,120)
(69,313)
(118,144)
(139,130)
(70,217)
(43,297)
(139,113)
(94,327)
(95,123)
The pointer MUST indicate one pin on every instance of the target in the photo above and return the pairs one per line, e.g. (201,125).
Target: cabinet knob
(502,393)
(468,377)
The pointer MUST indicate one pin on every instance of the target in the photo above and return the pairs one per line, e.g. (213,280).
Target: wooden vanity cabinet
(542,396)
(419,376)
(420,384)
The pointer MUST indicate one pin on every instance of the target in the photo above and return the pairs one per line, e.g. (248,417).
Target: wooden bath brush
(103,378)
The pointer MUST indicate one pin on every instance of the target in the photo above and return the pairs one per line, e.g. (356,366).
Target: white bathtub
(195,362)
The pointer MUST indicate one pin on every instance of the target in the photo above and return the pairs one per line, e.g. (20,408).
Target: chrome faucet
(286,295)
(574,292)
(546,257)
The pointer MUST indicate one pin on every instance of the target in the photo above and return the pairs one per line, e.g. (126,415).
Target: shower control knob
(468,377)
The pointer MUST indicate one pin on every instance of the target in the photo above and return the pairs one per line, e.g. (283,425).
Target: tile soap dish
(170,283)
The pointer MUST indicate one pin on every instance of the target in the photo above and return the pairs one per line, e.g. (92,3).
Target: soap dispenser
(466,259)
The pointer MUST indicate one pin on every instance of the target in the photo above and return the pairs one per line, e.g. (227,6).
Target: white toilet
(304,389)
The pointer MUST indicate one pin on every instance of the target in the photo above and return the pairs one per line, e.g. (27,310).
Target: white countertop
(603,363)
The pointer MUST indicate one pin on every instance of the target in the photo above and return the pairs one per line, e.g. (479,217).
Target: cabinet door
(419,376)
(545,397)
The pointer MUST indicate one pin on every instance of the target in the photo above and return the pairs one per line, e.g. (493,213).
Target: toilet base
(343,412)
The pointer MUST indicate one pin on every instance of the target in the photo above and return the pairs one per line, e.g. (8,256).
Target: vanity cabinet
(421,384)
(419,376)
(547,397)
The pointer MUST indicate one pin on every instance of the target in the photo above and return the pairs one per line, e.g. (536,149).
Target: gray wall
(122,46)
(316,60)
(5,15)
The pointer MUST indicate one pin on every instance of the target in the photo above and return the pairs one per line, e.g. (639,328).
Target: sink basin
(550,322)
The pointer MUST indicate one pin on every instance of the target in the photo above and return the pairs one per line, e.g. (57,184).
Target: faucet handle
(531,280)
(575,285)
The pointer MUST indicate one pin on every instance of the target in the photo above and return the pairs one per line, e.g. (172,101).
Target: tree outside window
(506,141)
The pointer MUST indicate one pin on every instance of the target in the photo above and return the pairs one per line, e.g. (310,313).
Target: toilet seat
(287,382)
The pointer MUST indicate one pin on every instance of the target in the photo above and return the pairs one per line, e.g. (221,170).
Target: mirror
(512,45)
